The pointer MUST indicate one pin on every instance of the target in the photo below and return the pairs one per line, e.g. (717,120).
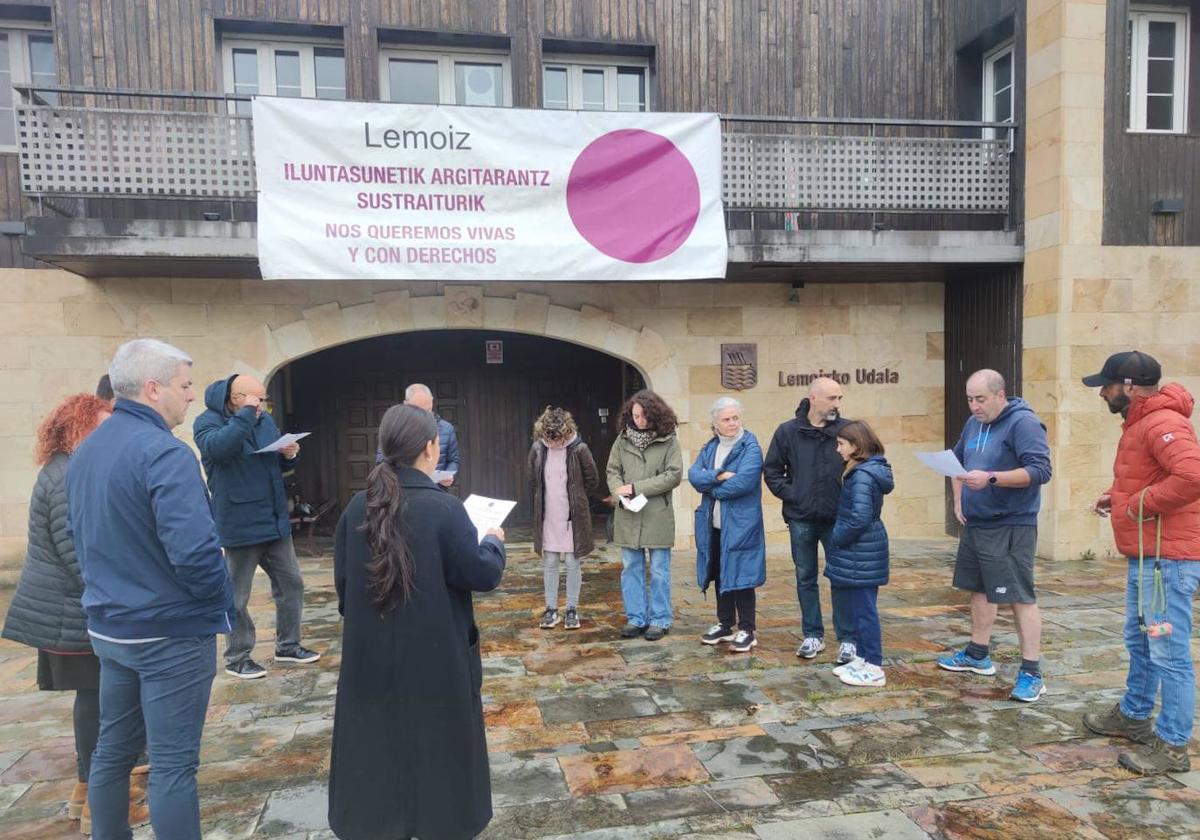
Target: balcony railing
(190,146)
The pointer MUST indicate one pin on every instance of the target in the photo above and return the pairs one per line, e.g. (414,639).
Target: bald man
(250,509)
(1004,449)
(804,469)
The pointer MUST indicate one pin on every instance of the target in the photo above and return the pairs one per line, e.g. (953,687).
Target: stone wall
(1084,301)
(58,331)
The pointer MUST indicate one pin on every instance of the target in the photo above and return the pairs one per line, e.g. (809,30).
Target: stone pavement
(598,738)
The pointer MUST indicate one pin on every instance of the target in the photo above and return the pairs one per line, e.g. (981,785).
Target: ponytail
(390,572)
(404,433)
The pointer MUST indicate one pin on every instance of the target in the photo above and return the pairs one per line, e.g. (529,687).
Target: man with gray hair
(420,396)
(156,590)
(1004,449)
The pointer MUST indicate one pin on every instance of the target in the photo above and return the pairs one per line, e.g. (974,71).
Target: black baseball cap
(1129,368)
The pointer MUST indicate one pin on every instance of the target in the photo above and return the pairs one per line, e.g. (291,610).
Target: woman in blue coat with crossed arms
(857,558)
(730,543)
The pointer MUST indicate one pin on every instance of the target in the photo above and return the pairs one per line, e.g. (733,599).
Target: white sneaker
(853,664)
(810,647)
(847,653)
(865,675)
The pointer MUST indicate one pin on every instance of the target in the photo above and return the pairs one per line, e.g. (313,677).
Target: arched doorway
(491,393)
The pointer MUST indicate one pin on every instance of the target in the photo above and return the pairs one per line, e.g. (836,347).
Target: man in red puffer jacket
(1155,489)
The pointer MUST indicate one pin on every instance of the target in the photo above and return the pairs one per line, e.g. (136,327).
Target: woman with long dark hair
(645,461)
(45,612)
(409,757)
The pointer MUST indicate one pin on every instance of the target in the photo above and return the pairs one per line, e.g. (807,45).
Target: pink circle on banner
(633,195)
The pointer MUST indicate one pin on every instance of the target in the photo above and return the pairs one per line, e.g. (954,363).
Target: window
(998,89)
(26,57)
(446,77)
(283,68)
(578,84)
(1158,71)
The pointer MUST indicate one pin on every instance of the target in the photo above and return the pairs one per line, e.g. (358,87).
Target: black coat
(409,758)
(45,611)
(804,469)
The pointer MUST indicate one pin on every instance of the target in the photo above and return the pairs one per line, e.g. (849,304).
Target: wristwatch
(991,477)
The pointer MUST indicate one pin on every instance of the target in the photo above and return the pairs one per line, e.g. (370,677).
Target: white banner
(386,191)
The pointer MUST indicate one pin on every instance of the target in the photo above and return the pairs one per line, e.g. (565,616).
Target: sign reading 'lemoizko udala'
(387,191)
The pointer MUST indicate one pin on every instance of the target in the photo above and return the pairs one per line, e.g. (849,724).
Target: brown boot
(139,814)
(1114,723)
(1158,757)
(139,779)
(77,801)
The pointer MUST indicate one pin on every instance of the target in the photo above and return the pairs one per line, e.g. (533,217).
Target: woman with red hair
(45,611)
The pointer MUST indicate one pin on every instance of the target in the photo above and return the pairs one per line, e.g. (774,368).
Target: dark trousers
(278,560)
(866,622)
(737,604)
(805,536)
(87,729)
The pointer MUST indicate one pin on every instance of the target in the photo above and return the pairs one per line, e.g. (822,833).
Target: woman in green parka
(645,462)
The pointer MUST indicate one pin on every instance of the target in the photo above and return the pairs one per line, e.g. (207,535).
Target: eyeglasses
(264,401)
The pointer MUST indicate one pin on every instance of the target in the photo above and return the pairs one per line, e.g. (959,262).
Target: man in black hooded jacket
(803,469)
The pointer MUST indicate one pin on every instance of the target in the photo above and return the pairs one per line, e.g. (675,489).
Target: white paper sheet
(282,442)
(441,475)
(487,513)
(944,462)
(635,504)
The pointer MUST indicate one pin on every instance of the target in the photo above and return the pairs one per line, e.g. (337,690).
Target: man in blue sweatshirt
(1004,449)
(156,590)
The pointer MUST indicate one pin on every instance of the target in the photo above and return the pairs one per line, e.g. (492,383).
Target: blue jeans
(1162,661)
(866,622)
(805,536)
(153,694)
(633,586)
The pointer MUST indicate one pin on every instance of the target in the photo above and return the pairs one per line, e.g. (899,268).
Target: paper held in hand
(487,513)
(945,462)
(441,475)
(635,504)
(283,441)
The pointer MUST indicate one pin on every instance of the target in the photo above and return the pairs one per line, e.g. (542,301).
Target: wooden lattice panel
(892,174)
(95,151)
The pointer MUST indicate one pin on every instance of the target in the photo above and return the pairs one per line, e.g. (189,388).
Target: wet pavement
(600,738)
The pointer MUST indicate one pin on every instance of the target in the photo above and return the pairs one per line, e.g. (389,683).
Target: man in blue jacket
(420,396)
(1007,457)
(156,590)
(252,516)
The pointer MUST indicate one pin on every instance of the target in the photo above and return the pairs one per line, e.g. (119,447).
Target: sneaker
(632,631)
(571,620)
(1028,687)
(299,653)
(654,632)
(743,642)
(1157,757)
(864,675)
(247,669)
(856,662)
(549,618)
(1115,724)
(810,647)
(847,653)
(959,661)
(716,634)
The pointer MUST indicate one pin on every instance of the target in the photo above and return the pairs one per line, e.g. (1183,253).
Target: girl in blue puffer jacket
(856,559)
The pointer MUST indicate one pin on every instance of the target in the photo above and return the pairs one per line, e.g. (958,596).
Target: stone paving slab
(593,737)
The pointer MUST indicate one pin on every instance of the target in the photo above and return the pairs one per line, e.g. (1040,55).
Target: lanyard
(1158,597)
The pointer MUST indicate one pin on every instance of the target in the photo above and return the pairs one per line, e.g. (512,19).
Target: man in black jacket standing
(803,469)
